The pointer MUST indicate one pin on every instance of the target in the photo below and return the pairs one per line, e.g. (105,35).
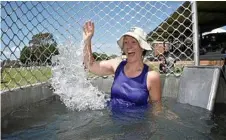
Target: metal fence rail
(32,31)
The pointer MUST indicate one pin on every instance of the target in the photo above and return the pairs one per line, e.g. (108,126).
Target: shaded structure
(177,28)
(211,15)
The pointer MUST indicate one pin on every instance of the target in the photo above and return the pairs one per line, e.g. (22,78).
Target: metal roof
(211,15)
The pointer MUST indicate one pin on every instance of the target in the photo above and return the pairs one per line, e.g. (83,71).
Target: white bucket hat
(139,35)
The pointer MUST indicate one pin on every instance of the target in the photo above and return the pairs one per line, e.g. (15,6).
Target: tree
(42,39)
(41,48)
(100,56)
(25,55)
(2,69)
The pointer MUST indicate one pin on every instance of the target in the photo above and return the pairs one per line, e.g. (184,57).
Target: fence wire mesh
(32,31)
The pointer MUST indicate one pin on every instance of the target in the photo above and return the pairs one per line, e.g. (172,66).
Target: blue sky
(65,20)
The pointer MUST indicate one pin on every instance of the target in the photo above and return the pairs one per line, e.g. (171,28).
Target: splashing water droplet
(69,80)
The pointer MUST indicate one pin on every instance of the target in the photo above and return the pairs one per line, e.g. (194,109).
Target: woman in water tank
(134,83)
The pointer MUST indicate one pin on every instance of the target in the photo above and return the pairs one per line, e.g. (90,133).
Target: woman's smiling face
(132,49)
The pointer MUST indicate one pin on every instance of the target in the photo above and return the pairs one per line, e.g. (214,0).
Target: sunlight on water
(70,82)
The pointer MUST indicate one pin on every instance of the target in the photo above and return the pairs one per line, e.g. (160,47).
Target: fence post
(196,33)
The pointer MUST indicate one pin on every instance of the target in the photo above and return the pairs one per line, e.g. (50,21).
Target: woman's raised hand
(88,30)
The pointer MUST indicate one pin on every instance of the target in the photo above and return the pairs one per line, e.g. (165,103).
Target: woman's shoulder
(151,72)
(153,75)
(116,61)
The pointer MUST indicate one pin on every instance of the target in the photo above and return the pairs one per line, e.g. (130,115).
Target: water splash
(69,80)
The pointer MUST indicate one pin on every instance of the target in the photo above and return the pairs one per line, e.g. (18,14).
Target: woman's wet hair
(144,52)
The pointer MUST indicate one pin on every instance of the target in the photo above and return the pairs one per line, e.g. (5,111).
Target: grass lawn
(16,77)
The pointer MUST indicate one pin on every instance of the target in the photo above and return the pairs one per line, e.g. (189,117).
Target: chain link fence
(32,31)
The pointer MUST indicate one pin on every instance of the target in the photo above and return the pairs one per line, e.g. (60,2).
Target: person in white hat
(133,83)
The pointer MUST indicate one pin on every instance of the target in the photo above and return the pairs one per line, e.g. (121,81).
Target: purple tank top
(129,91)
